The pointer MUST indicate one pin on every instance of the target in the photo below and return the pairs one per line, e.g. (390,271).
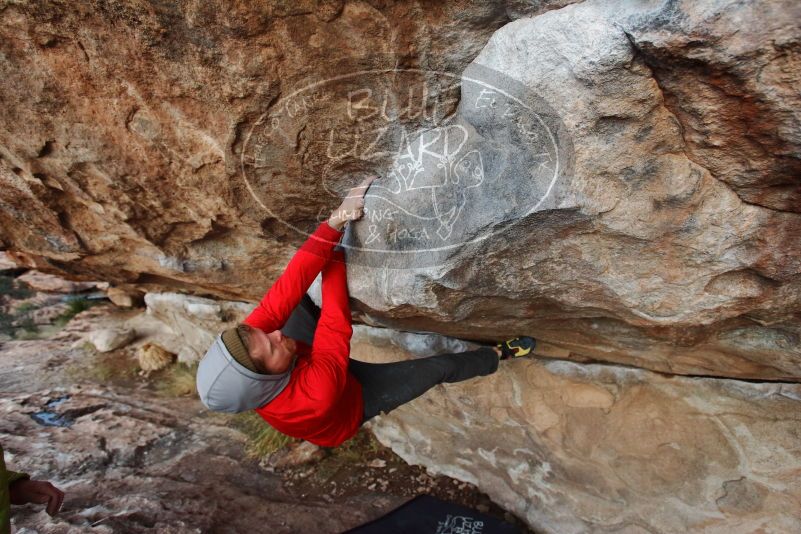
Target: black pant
(385,386)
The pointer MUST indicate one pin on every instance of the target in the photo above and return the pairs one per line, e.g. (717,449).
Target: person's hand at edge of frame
(352,207)
(26,491)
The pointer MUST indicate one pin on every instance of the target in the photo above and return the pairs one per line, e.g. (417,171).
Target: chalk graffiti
(442,144)
(460,524)
(434,162)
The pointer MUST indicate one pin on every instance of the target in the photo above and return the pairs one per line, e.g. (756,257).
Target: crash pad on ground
(428,515)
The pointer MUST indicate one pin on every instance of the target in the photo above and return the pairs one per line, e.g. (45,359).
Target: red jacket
(322,403)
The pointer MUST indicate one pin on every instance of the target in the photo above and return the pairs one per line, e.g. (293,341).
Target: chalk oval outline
(461,77)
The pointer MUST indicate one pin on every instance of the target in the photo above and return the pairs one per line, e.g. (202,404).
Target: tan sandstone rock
(55,284)
(146,150)
(193,322)
(125,297)
(590,448)
(108,339)
(7,263)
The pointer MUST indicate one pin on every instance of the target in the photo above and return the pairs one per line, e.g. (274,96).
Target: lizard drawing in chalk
(433,164)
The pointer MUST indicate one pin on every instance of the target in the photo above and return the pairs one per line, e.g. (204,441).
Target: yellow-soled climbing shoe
(517,347)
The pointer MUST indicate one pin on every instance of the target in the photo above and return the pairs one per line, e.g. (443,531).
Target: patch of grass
(75,306)
(351,455)
(26,331)
(19,324)
(13,289)
(349,452)
(25,327)
(262,439)
(360,447)
(178,380)
(25,307)
(102,367)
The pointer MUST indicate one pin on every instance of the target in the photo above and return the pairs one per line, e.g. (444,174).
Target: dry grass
(178,380)
(19,324)
(262,439)
(102,367)
(75,306)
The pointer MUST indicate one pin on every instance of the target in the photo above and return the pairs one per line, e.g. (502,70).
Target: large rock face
(666,245)
(599,448)
(620,179)
(122,124)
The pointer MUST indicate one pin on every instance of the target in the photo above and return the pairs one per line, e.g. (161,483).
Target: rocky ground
(137,454)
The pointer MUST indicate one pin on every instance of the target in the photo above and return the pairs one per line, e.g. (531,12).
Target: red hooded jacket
(322,403)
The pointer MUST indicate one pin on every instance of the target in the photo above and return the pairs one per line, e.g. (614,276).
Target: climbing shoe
(517,347)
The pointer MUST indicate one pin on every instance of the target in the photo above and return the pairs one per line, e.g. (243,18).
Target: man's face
(272,353)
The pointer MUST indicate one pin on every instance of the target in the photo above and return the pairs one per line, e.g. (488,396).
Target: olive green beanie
(233,339)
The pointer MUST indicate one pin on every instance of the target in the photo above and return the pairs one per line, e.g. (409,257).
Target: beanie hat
(225,385)
(234,342)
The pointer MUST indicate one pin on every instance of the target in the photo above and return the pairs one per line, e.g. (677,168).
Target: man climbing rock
(290,360)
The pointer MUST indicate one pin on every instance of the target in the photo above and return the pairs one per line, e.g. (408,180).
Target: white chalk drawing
(439,149)
(460,524)
(433,165)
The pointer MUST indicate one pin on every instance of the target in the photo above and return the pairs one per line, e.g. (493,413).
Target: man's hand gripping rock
(352,207)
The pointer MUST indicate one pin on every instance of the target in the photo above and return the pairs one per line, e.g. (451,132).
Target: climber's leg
(385,386)
(303,321)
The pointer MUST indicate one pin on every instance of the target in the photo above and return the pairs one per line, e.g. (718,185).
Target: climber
(290,360)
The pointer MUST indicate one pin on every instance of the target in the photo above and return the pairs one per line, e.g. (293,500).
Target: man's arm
(285,294)
(334,327)
(18,488)
(325,378)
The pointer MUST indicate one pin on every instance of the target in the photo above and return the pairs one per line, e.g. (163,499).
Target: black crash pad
(428,515)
